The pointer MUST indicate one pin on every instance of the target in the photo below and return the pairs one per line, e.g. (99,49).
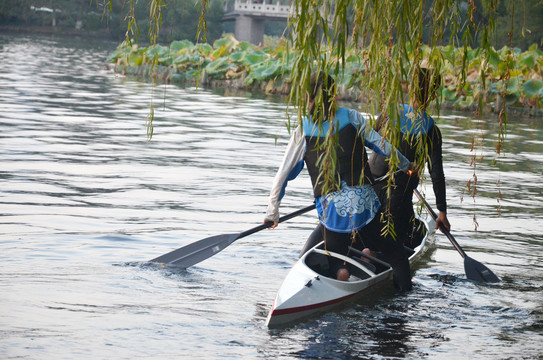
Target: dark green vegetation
(227,59)
(91,17)
(180,19)
(270,68)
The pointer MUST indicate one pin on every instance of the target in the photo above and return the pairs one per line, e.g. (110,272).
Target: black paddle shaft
(445,231)
(281,219)
(200,250)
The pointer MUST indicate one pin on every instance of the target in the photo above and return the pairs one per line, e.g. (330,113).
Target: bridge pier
(251,15)
(249,28)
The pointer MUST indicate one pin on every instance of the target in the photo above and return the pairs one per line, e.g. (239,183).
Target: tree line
(523,19)
(179,18)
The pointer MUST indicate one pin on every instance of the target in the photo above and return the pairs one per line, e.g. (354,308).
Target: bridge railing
(274,8)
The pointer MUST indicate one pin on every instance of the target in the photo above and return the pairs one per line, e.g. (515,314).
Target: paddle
(202,249)
(474,270)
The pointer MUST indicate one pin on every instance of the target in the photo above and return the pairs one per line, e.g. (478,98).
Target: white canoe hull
(305,292)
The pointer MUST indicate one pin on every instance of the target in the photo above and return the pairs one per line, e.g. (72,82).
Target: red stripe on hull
(292,310)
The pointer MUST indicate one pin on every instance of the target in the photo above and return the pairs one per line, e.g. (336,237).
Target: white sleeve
(292,164)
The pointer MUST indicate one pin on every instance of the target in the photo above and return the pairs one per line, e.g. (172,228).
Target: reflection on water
(85,200)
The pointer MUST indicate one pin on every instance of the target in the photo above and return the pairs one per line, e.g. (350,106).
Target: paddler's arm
(292,164)
(377,143)
(435,167)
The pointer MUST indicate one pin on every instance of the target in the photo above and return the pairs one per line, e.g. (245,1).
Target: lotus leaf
(255,57)
(162,54)
(264,71)
(238,56)
(494,89)
(221,52)
(159,50)
(466,101)
(165,60)
(122,51)
(181,51)
(204,49)
(448,53)
(503,52)
(227,41)
(218,66)
(178,78)
(512,99)
(185,58)
(533,88)
(527,60)
(113,57)
(513,85)
(515,73)
(502,68)
(135,59)
(449,94)
(473,54)
(194,73)
(244,46)
(180,45)
(228,56)
(493,58)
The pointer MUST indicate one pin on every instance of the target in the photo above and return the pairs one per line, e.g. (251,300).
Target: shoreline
(171,75)
(102,34)
(279,87)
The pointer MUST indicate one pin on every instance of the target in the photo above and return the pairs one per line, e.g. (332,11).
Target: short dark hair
(424,89)
(324,85)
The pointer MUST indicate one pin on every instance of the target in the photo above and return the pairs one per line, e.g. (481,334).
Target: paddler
(417,128)
(348,209)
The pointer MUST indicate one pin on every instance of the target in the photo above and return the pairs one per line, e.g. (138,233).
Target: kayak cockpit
(318,260)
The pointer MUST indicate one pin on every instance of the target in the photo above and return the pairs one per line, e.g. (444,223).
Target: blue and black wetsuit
(415,128)
(349,207)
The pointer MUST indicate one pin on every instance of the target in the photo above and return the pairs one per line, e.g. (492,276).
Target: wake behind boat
(309,288)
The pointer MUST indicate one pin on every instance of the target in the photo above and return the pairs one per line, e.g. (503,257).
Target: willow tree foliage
(388,36)
(393,39)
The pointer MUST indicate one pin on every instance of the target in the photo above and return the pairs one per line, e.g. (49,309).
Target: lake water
(86,200)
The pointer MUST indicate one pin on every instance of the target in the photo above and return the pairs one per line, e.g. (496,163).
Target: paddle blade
(478,272)
(197,251)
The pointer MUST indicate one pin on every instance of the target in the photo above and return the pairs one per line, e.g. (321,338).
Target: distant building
(250,16)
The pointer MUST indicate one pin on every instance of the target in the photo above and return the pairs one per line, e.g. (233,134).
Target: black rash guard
(379,165)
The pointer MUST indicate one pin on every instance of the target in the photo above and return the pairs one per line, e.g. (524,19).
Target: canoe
(308,289)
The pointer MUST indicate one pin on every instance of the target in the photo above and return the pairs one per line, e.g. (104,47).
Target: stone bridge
(250,16)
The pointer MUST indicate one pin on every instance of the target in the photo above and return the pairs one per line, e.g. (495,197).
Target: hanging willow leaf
(377,46)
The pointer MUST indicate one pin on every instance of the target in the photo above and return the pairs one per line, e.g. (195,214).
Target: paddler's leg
(403,223)
(405,215)
(400,205)
(368,251)
(343,274)
(392,250)
(394,253)
(338,243)
(401,274)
